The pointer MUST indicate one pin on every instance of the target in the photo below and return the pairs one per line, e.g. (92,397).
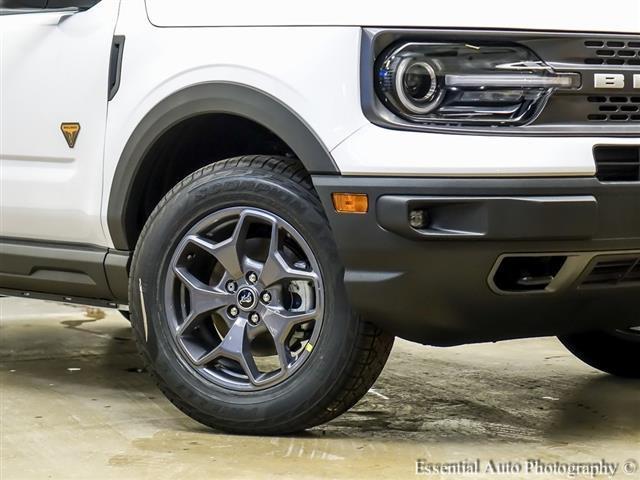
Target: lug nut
(233,311)
(265,297)
(231,286)
(252,277)
(254,318)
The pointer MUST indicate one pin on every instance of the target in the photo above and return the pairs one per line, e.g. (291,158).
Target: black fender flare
(213,97)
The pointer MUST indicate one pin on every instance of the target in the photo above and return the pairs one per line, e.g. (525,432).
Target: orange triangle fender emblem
(70,131)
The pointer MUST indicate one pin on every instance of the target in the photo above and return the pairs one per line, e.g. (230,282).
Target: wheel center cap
(247,298)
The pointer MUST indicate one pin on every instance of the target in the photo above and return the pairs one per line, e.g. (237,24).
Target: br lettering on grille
(613,80)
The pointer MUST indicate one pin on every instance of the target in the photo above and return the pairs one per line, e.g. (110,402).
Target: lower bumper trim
(494,218)
(435,286)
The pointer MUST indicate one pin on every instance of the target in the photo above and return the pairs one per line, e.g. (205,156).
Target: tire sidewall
(612,352)
(184,207)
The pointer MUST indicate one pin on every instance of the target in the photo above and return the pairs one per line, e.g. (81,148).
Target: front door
(54,68)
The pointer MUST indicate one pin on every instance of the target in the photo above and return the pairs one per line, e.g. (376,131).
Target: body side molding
(64,272)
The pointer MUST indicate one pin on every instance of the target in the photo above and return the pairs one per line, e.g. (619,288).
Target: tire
(616,352)
(327,357)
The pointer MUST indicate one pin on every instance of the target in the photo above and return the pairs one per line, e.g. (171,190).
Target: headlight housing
(467,84)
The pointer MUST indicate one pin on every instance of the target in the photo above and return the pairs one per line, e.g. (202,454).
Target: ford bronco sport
(273,191)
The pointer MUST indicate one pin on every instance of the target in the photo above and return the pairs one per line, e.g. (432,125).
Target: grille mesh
(612,52)
(614,108)
(614,272)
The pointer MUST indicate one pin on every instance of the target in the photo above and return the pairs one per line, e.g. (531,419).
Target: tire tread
(364,362)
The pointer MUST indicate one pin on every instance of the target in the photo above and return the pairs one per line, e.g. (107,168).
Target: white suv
(274,190)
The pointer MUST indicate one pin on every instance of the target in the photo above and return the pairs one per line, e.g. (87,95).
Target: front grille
(612,52)
(611,272)
(617,163)
(614,108)
(611,109)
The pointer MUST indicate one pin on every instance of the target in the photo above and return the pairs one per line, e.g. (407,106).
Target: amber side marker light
(350,202)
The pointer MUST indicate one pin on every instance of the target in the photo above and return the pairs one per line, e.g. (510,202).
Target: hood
(621,16)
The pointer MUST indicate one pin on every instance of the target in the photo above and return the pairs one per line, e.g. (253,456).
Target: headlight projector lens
(417,85)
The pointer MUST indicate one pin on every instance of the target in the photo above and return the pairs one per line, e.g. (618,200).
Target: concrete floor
(75,405)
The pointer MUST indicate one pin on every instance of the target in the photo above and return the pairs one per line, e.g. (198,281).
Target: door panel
(54,68)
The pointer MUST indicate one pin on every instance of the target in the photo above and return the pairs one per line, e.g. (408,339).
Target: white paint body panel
(578,15)
(312,69)
(393,153)
(54,70)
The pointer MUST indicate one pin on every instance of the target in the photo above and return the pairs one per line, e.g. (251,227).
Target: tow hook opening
(528,274)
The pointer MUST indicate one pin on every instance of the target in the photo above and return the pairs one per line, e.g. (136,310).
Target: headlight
(416,84)
(457,83)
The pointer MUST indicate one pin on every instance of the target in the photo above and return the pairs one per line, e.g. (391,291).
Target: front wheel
(239,306)
(616,352)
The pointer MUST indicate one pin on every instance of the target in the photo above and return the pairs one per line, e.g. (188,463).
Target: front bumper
(437,285)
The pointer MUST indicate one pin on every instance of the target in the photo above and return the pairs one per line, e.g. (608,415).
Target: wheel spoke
(235,346)
(281,322)
(284,358)
(275,268)
(256,330)
(202,297)
(224,252)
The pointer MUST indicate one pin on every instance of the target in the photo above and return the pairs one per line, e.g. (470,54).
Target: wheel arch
(206,98)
